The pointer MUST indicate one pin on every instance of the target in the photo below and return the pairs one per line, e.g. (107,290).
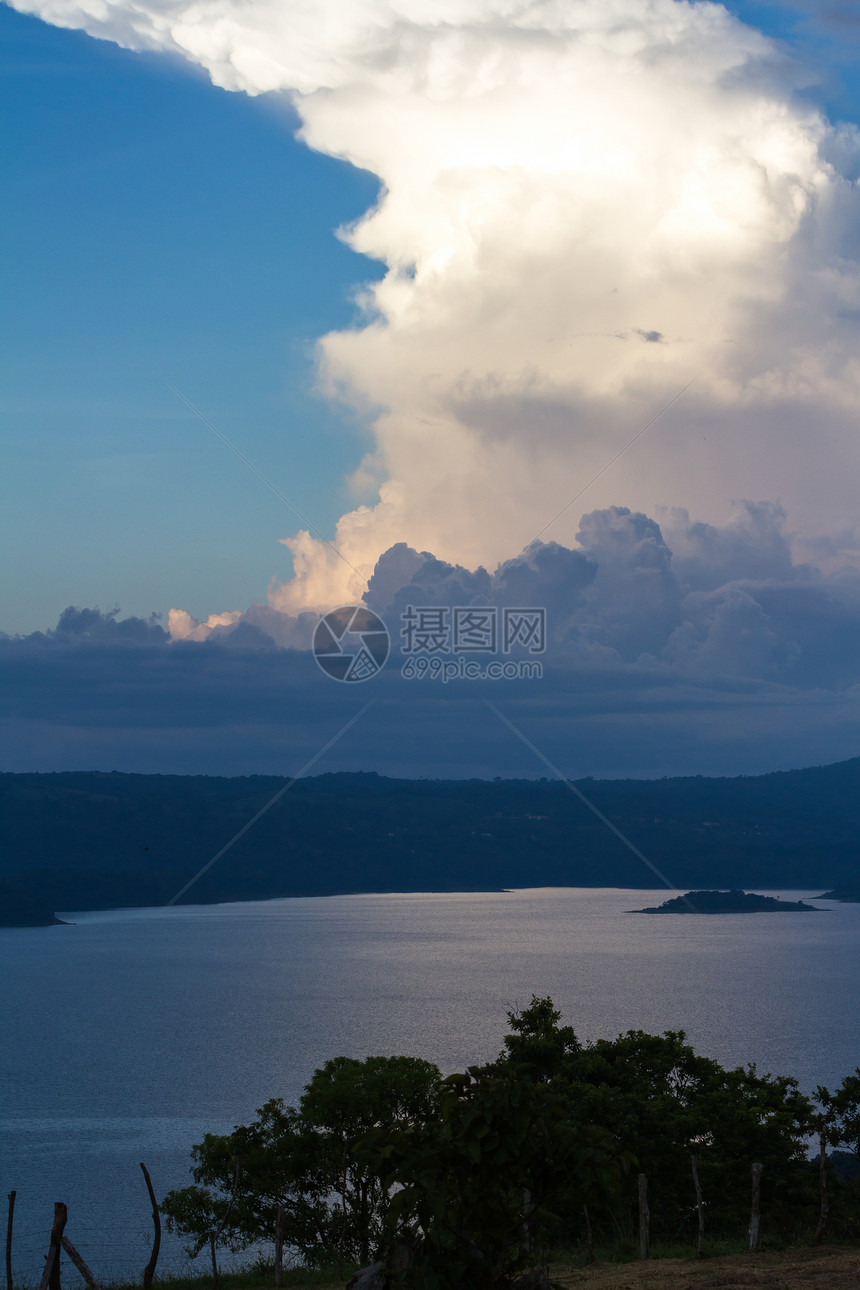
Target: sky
(543,303)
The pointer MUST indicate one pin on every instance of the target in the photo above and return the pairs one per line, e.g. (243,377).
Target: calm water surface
(133,1032)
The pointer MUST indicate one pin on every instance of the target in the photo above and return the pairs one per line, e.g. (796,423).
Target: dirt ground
(824,1268)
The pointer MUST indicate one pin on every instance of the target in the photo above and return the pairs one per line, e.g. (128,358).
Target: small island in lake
(727,902)
(848,894)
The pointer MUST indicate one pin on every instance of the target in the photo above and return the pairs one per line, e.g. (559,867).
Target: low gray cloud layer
(673,647)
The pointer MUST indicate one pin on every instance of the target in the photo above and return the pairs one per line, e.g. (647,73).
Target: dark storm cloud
(753,545)
(694,649)
(93,625)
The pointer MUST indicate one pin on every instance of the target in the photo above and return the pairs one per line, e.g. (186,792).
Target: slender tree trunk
(755,1213)
(589,1237)
(364,1223)
(85,1271)
(149,1270)
(822,1176)
(215,1278)
(213,1236)
(279,1245)
(644,1218)
(700,1209)
(12,1195)
(51,1275)
(341,1245)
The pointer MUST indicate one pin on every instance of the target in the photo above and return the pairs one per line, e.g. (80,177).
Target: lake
(130,1034)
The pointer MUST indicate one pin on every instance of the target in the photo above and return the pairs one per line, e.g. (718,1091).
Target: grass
(259,1276)
(777,1265)
(251,1279)
(627,1250)
(832,1267)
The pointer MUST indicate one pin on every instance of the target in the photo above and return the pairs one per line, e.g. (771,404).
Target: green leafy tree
(666,1103)
(538,1048)
(840,1118)
(345,1100)
(482,1168)
(248,1174)
(662,1103)
(475,1186)
(842,1112)
(304,1160)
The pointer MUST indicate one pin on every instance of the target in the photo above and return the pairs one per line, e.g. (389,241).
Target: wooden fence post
(279,1245)
(12,1195)
(149,1270)
(644,1218)
(700,1209)
(79,1263)
(51,1275)
(822,1182)
(755,1213)
(589,1237)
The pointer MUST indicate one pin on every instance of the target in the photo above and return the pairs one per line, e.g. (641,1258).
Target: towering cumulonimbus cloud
(585,205)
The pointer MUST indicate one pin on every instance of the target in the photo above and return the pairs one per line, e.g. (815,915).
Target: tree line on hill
(98,841)
(466,1181)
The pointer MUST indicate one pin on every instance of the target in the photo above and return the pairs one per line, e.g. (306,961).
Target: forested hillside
(95,841)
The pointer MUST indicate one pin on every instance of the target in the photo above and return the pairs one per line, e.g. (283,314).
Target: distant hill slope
(24,909)
(93,840)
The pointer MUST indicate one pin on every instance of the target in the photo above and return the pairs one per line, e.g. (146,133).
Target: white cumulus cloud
(586,204)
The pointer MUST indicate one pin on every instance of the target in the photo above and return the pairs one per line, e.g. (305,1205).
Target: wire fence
(114,1253)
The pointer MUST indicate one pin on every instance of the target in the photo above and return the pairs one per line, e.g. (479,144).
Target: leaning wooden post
(755,1214)
(700,1209)
(644,1217)
(51,1275)
(149,1270)
(12,1195)
(279,1245)
(85,1271)
(822,1176)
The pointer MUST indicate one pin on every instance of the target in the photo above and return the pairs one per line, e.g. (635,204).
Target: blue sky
(157,228)
(160,229)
